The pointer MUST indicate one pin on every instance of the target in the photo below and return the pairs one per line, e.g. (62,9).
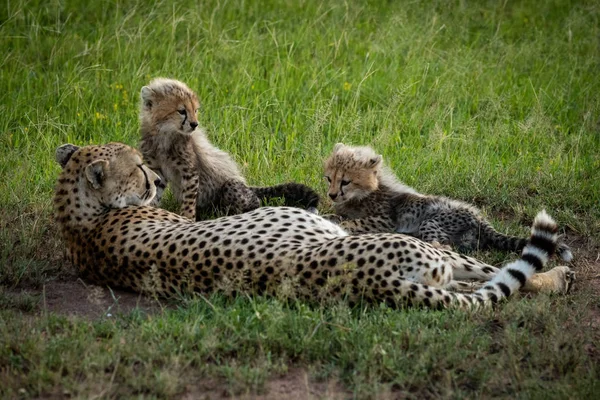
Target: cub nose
(333,195)
(157,181)
(194,125)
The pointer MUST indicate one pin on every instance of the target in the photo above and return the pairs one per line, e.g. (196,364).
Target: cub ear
(375,161)
(338,147)
(95,173)
(64,153)
(147,95)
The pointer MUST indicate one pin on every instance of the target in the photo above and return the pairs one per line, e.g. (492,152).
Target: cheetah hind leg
(558,280)
(468,268)
(464,287)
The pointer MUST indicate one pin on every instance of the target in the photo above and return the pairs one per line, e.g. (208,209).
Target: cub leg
(431,231)
(372,224)
(237,198)
(185,185)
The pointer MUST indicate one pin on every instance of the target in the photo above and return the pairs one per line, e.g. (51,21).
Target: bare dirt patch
(586,264)
(77,298)
(296,384)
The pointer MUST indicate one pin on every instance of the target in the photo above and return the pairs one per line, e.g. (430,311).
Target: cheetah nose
(194,125)
(157,181)
(333,195)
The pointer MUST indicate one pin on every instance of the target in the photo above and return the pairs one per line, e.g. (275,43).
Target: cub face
(351,172)
(170,105)
(112,175)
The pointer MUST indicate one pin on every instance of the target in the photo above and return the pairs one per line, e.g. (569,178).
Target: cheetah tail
(294,194)
(500,241)
(494,239)
(540,246)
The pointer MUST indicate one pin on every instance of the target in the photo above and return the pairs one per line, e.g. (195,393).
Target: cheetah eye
(182,112)
(328,179)
(345,183)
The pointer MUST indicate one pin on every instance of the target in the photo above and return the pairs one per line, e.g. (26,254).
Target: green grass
(418,353)
(494,103)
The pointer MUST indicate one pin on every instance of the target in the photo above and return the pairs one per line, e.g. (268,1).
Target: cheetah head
(352,172)
(170,106)
(99,177)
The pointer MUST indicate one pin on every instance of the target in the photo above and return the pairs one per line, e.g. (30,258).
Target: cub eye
(328,179)
(345,183)
(182,112)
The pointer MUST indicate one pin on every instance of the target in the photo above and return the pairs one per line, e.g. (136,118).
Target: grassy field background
(495,103)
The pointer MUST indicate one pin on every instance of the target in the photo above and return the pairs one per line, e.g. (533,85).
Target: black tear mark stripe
(145,177)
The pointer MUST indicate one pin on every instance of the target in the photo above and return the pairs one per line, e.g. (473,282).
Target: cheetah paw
(569,278)
(558,280)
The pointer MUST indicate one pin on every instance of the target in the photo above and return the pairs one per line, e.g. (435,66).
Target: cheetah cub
(369,198)
(203,178)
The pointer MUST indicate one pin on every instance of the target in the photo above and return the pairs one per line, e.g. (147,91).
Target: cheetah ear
(338,147)
(375,161)
(95,173)
(64,153)
(147,95)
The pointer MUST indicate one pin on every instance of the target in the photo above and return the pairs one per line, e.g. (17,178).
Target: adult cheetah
(113,237)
